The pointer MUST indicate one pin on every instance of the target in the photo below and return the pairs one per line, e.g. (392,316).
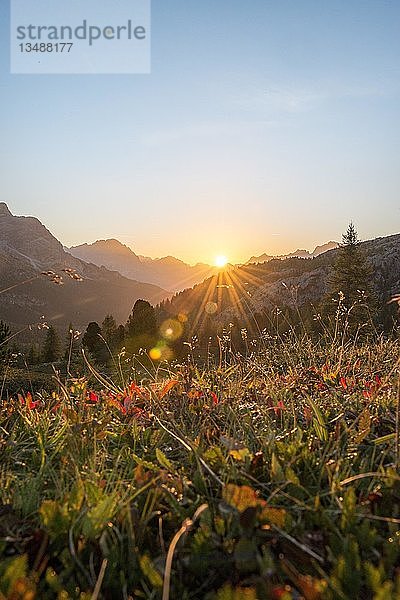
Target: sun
(221,261)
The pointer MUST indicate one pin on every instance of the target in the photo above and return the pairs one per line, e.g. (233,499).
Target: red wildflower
(92,398)
(279,408)
(28,401)
(214,398)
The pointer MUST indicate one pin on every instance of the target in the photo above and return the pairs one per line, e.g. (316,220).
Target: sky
(264,126)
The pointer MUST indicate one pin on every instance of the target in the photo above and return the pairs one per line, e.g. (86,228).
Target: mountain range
(296,254)
(293,283)
(169,272)
(108,277)
(31,261)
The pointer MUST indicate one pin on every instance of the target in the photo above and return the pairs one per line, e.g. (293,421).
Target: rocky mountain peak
(4,210)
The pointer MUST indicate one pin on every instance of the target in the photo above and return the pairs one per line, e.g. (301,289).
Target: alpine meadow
(200,300)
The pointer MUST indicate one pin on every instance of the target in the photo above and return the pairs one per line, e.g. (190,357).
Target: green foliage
(141,327)
(93,342)
(5,332)
(51,348)
(280,484)
(142,320)
(351,297)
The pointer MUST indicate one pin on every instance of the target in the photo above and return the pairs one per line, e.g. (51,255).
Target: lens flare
(161,352)
(211,308)
(171,330)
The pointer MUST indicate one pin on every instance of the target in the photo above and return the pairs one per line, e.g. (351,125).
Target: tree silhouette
(142,320)
(351,284)
(141,327)
(51,348)
(92,340)
(109,331)
(4,335)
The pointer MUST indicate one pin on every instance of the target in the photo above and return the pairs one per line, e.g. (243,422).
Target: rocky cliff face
(27,237)
(27,249)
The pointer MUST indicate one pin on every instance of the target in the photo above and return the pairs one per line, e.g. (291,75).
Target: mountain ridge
(292,283)
(168,272)
(28,250)
(296,254)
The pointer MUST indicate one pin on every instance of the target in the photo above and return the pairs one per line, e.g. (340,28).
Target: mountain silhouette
(28,249)
(168,272)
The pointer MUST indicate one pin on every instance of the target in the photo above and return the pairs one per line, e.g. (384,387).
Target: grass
(268,476)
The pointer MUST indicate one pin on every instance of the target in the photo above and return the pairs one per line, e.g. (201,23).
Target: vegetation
(51,350)
(139,463)
(352,295)
(268,476)
(4,335)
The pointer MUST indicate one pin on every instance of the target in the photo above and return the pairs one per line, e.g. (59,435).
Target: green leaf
(98,516)
(364,426)
(163,460)
(14,570)
(150,571)
(54,517)
(214,456)
(276,469)
(384,438)
(319,424)
(76,496)
(291,476)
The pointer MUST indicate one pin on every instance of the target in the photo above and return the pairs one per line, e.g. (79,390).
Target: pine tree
(142,320)
(351,284)
(93,341)
(4,335)
(109,331)
(51,348)
(141,327)
(33,357)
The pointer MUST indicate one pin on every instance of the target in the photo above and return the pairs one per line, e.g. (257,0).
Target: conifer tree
(4,335)
(141,327)
(142,320)
(33,357)
(51,348)
(351,284)
(109,331)
(93,341)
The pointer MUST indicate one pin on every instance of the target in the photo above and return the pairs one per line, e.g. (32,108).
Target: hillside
(27,249)
(168,272)
(291,282)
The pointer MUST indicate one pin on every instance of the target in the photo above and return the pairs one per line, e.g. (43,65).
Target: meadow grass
(270,475)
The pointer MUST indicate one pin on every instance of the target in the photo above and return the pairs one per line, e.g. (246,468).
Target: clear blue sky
(264,126)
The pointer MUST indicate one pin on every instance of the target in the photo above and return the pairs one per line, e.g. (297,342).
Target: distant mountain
(169,272)
(27,249)
(298,253)
(293,282)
